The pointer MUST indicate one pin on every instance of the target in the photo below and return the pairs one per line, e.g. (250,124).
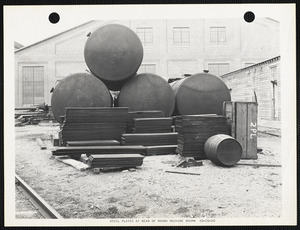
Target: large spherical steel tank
(113,53)
(79,90)
(147,92)
(201,93)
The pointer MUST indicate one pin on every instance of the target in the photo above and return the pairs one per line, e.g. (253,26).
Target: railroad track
(44,209)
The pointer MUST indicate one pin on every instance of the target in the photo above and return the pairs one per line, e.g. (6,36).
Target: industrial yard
(115,143)
(149,191)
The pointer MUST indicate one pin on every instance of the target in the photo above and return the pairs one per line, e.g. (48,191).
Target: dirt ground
(150,192)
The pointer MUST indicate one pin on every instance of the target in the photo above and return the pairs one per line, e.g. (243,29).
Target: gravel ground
(150,192)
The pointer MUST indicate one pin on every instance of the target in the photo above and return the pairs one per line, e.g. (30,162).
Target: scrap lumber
(80,166)
(41,143)
(258,165)
(187,173)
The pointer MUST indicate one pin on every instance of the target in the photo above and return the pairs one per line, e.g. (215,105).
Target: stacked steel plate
(160,150)
(92,150)
(141,114)
(194,130)
(93,123)
(152,125)
(115,160)
(149,139)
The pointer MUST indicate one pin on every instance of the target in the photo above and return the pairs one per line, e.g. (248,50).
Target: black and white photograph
(150,115)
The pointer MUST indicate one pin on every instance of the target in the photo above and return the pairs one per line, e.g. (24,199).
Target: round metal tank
(201,93)
(147,92)
(79,90)
(113,53)
(223,150)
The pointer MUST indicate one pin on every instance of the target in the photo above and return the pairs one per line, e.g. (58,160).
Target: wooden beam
(41,143)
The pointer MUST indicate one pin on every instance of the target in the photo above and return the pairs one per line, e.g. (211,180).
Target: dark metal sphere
(147,92)
(79,90)
(201,93)
(113,53)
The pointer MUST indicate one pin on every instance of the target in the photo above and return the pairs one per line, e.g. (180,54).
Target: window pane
(33,84)
(181,36)
(147,68)
(146,35)
(217,35)
(218,69)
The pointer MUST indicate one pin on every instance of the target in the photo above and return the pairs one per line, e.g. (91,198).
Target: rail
(38,202)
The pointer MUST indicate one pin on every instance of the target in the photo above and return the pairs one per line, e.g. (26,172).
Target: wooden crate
(242,116)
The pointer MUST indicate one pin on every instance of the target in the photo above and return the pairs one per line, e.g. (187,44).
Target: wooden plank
(233,124)
(241,126)
(252,131)
(41,143)
(228,113)
(74,163)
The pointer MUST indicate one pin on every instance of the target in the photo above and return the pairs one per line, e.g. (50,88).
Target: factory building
(261,83)
(172,48)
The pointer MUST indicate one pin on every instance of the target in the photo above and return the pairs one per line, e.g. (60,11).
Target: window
(273,72)
(181,36)
(218,69)
(217,35)
(146,35)
(33,84)
(147,68)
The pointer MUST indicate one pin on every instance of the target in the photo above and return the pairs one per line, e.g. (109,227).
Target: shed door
(33,85)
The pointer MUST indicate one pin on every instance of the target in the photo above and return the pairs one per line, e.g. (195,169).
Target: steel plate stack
(194,130)
(93,123)
(160,150)
(92,150)
(115,160)
(149,139)
(152,125)
(93,143)
(142,114)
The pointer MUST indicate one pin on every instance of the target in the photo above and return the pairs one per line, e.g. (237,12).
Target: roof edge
(56,35)
(251,66)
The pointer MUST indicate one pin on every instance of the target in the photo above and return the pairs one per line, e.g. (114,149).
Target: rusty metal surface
(147,92)
(79,90)
(113,53)
(223,150)
(201,93)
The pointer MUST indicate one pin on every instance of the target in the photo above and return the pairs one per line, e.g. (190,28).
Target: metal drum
(79,90)
(223,150)
(201,93)
(147,92)
(113,53)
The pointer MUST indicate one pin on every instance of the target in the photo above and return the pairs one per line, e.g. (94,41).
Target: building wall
(172,48)
(256,79)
